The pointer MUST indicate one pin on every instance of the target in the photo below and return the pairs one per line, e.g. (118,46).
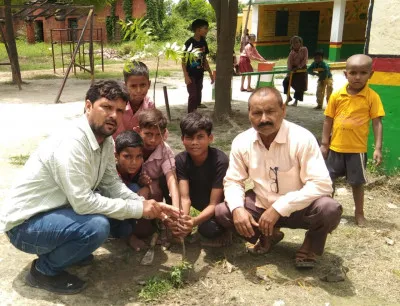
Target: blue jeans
(60,238)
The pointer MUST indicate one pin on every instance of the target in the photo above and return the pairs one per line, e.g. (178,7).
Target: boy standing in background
(346,127)
(194,71)
(325,81)
(137,81)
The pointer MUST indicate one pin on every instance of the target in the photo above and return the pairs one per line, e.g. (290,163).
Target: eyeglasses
(273,174)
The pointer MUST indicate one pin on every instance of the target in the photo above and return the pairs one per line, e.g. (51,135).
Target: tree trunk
(12,46)
(226,12)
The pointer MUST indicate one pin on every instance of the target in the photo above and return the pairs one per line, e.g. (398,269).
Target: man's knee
(330,210)
(223,215)
(97,228)
(210,229)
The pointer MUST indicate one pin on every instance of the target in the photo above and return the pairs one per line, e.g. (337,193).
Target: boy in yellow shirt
(346,127)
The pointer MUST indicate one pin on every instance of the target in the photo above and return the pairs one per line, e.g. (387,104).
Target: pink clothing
(297,59)
(243,42)
(130,119)
(251,52)
(299,167)
(159,163)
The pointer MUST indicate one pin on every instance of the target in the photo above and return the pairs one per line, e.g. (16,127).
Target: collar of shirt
(157,153)
(83,124)
(281,137)
(363,92)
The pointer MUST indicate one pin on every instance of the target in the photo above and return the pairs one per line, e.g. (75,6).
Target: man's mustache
(112,121)
(265,124)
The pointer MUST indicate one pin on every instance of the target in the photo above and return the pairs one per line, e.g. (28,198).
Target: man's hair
(135,68)
(266,91)
(252,36)
(319,52)
(150,118)
(128,139)
(198,23)
(109,89)
(195,122)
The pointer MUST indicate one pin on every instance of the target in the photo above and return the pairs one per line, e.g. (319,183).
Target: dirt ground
(370,256)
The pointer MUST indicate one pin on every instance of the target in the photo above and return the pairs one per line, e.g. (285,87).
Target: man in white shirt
(53,210)
(292,186)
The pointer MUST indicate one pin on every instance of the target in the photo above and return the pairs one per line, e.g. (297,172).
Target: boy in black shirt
(201,170)
(194,71)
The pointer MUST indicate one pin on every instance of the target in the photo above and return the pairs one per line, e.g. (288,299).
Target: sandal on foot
(305,260)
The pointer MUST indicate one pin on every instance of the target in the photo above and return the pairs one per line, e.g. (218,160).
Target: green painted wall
(274,52)
(282,51)
(351,49)
(391,128)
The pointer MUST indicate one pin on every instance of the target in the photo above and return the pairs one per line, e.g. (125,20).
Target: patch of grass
(157,286)
(43,77)
(18,160)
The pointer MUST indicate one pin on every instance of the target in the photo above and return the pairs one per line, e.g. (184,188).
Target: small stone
(389,241)
(392,206)
(279,303)
(141,282)
(370,198)
(343,221)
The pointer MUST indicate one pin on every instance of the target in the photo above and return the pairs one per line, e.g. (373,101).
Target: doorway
(39,34)
(308,29)
(72,26)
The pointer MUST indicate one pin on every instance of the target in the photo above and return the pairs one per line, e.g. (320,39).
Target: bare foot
(288,100)
(249,89)
(224,240)
(294,103)
(360,220)
(265,244)
(135,243)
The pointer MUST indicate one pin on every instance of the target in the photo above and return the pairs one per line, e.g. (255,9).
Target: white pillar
(339,8)
(254,19)
(335,45)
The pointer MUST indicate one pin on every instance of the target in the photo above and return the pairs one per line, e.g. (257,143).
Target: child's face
(202,31)
(358,75)
(151,137)
(197,145)
(138,86)
(296,44)
(129,160)
(318,58)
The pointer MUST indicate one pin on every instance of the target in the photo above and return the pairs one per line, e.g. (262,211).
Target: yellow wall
(249,22)
(354,27)
(239,24)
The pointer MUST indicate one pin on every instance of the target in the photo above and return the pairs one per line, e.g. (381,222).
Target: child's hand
(185,225)
(188,80)
(324,150)
(377,157)
(212,78)
(144,179)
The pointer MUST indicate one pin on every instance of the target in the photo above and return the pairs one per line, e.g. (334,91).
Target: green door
(308,30)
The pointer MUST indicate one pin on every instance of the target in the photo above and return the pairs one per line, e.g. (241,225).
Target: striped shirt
(66,170)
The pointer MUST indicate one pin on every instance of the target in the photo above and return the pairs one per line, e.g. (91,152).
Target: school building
(336,26)
(39,29)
